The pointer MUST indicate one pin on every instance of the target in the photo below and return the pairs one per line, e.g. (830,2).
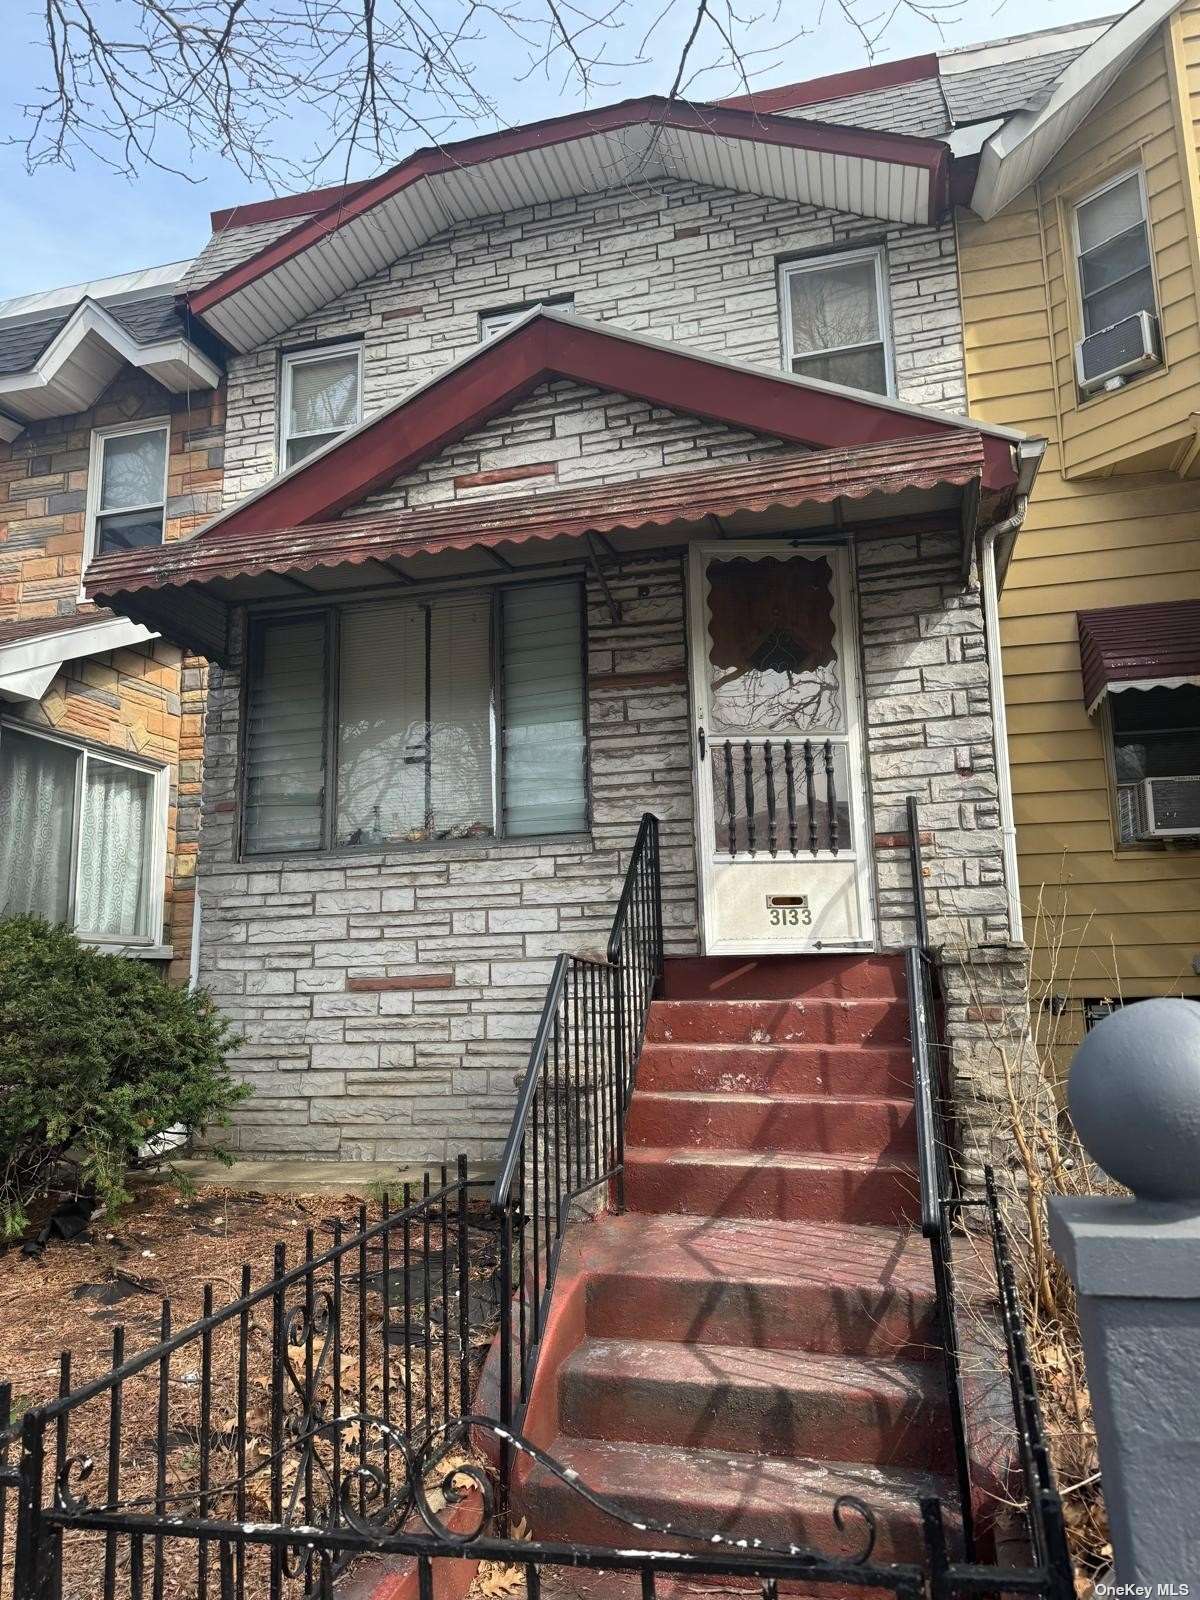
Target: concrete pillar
(1134,1096)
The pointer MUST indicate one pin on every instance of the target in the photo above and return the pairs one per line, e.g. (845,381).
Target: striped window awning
(1138,647)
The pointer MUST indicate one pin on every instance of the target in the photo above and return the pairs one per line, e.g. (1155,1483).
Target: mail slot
(788,911)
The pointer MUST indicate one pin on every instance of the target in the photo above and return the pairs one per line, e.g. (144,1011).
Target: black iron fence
(310,1402)
(944,1208)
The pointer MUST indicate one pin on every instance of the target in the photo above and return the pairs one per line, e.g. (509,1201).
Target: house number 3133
(789,916)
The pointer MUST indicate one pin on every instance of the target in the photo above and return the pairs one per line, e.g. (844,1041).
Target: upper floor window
(322,397)
(127,487)
(835,322)
(1112,241)
(82,837)
(422,720)
(493,322)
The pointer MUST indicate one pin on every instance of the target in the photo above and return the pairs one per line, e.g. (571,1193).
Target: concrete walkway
(314,1177)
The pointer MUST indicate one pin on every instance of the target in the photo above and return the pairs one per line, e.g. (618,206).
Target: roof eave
(60,382)
(545,344)
(239,304)
(880,491)
(29,666)
(1020,151)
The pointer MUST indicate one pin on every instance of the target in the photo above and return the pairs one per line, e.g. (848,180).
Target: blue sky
(62,226)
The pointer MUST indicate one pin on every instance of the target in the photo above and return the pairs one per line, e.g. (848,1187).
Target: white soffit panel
(368,243)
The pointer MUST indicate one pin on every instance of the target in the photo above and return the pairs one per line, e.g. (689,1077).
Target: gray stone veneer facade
(692,265)
(459,939)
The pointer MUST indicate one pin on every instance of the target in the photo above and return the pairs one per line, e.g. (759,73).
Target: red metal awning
(197,573)
(1138,647)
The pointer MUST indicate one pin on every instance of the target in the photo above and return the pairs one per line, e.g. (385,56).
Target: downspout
(194,962)
(991,633)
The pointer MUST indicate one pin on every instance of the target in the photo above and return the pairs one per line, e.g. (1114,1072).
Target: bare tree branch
(140,83)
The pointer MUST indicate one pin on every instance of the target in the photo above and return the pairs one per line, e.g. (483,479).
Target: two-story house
(628,463)
(616,463)
(1076,233)
(1081,302)
(110,439)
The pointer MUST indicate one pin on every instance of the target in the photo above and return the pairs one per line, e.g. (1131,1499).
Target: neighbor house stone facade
(147,699)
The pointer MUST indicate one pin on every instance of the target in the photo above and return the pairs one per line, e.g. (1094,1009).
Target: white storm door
(781,818)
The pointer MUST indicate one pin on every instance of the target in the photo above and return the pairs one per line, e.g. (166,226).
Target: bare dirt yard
(395,1349)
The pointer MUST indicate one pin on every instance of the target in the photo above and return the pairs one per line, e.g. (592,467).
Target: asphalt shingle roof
(22,343)
(12,632)
(931,107)
(230,246)
(147,321)
(1008,86)
(916,108)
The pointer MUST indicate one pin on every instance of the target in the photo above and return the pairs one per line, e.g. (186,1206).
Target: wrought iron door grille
(780,798)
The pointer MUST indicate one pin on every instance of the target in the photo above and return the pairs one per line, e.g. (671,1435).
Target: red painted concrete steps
(745,1496)
(819,1021)
(772,1121)
(783,1186)
(786,1285)
(754,1336)
(789,1402)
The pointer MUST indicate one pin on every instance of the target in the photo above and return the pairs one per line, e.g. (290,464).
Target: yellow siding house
(1079,252)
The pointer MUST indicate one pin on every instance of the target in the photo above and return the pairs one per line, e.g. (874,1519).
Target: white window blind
(285,805)
(460,675)
(544,788)
(381,725)
(321,398)
(415,690)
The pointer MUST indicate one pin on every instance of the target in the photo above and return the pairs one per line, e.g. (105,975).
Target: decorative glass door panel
(780,811)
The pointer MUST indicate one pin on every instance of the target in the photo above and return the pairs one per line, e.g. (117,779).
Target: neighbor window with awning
(1138,647)
(1141,668)
(398,722)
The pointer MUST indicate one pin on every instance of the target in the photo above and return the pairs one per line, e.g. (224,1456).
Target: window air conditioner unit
(1114,353)
(1171,807)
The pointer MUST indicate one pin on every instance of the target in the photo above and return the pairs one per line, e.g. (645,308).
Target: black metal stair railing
(567,1137)
(943,1206)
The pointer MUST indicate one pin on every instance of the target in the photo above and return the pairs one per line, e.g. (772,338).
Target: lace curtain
(37,829)
(114,838)
(37,803)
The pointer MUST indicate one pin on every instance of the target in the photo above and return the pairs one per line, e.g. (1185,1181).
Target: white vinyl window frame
(97,445)
(790,269)
(307,358)
(493,322)
(156,862)
(1077,205)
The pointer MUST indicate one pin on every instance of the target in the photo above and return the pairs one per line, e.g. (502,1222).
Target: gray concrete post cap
(1134,1097)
